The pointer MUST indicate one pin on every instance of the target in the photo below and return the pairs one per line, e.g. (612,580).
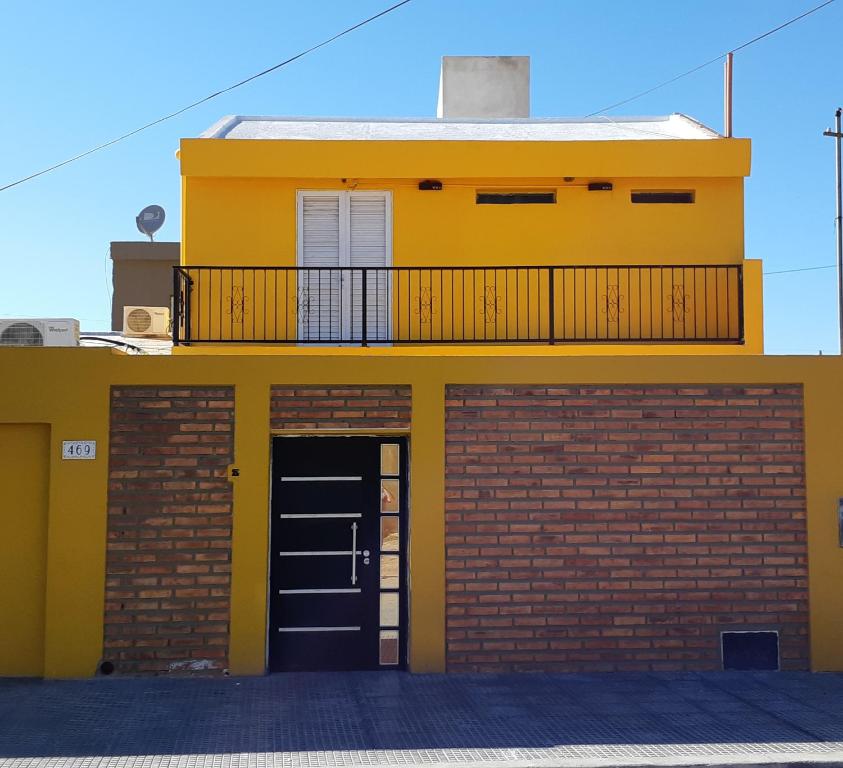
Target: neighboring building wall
(340,408)
(168,567)
(142,276)
(623,527)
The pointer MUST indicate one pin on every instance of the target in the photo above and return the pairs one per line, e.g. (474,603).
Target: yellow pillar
(753,309)
(247,650)
(25,457)
(76,539)
(427,528)
(823,427)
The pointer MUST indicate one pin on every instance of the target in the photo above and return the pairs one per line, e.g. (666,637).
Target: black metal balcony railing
(478,305)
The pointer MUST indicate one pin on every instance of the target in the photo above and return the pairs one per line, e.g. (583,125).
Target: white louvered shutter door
(319,291)
(369,246)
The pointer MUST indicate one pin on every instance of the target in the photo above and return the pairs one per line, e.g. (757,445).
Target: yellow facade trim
(255,158)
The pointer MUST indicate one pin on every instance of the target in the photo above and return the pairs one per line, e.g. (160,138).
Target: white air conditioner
(146,322)
(39,332)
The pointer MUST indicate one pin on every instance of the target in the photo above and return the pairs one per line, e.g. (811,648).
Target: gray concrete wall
(484,87)
(142,275)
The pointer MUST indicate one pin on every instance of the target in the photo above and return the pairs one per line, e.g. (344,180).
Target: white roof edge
(224,127)
(220,129)
(702,126)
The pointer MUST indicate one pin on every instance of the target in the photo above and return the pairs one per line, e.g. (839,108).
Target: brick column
(169,529)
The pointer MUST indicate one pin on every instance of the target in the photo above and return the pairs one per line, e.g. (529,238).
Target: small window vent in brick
(663,197)
(750,650)
(515,198)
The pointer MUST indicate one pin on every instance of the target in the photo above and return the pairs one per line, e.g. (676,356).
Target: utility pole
(838,222)
(727,96)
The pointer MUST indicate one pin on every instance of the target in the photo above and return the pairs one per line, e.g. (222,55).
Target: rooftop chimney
(484,87)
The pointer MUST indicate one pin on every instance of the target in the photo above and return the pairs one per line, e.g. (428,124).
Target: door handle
(354,553)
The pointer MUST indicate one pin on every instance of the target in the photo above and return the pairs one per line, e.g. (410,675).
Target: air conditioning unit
(39,332)
(146,322)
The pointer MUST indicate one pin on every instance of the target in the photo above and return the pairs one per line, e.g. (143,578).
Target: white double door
(338,234)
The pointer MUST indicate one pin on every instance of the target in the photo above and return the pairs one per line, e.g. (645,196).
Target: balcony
(635,304)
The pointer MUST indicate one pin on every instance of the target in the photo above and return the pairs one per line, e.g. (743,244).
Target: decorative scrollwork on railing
(303,299)
(425,305)
(678,303)
(237,301)
(490,304)
(613,303)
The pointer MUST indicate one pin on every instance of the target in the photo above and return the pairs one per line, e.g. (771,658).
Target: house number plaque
(79,449)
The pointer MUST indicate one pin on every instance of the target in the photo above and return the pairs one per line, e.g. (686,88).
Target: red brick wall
(622,528)
(169,529)
(340,407)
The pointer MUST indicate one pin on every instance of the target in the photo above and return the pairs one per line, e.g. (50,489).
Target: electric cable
(711,61)
(206,98)
(116,342)
(799,269)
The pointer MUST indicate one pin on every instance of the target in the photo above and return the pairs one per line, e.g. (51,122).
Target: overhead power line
(206,98)
(714,60)
(799,269)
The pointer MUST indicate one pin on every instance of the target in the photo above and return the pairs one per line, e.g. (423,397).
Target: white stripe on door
(326,517)
(324,552)
(318,629)
(318,479)
(318,591)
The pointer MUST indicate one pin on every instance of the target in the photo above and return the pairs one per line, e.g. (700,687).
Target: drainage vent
(750,650)
(107,667)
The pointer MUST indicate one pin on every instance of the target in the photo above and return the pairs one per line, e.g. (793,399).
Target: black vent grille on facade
(663,197)
(750,650)
(515,198)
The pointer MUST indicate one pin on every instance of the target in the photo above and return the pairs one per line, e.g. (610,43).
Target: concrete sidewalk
(382,718)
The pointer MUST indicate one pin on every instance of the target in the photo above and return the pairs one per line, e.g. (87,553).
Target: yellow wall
(239,209)
(77,489)
(252,221)
(25,458)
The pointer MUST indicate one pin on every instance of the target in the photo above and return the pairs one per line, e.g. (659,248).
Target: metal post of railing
(741,332)
(552,308)
(187,328)
(176,317)
(365,308)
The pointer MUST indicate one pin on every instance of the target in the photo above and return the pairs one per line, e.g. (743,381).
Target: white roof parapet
(668,127)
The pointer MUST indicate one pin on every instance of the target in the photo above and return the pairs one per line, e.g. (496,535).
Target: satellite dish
(150,220)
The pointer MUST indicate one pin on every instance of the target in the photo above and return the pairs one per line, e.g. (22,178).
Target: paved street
(401,719)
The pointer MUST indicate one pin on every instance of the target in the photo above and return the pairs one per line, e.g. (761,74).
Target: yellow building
(407,423)
(554,231)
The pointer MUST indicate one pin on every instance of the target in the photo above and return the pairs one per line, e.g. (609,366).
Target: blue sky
(76,74)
